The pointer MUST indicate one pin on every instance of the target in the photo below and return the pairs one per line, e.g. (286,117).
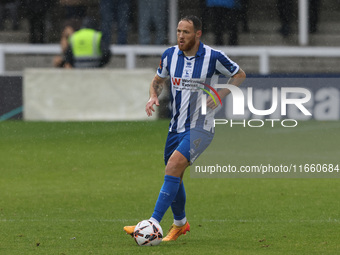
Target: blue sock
(178,205)
(166,196)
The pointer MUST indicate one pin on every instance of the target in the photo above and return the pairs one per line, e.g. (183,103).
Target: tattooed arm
(156,88)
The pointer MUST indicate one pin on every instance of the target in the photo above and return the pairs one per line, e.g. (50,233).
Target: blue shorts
(190,143)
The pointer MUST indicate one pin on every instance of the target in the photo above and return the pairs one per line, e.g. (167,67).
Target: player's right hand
(149,105)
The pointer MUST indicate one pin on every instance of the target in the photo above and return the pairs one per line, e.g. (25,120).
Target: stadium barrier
(131,52)
(51,91)
(86,95)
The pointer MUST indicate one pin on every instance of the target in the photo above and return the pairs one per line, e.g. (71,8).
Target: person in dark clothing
(224,12)
(9,8)
(287,15)
(314,10)
(36,11)
(285,11)
(111,11)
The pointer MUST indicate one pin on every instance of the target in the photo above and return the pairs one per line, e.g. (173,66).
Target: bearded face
(187,44)
(187,37)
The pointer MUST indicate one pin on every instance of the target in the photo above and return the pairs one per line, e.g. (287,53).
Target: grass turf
(69,188)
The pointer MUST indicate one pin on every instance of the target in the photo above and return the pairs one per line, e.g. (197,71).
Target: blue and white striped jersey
(187,78)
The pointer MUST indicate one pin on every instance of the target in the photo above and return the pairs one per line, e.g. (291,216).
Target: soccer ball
(148,233)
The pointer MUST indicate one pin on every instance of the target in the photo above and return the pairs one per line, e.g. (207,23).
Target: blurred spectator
(12,6)
(36,11)
(314,10)
(225,13)
(85,48)
(286,15)
(69,28)
(152,12)
(74,9)
(114,10)
(244,15)
(285,9)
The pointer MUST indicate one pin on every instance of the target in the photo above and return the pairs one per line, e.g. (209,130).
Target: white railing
(132,51)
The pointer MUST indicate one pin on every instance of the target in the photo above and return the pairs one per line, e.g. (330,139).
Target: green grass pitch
(69,188)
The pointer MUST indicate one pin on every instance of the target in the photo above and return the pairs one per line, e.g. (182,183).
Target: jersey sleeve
(163,70)
(225,65)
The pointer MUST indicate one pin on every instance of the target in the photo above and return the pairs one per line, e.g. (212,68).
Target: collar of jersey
(199,53)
